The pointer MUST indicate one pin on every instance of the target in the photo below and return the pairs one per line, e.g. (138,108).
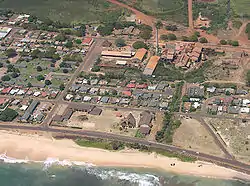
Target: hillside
(65,10)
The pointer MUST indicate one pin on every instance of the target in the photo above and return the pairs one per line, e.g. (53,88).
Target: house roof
(127,93)
(145,129)
(87,40)
(145,118)
(140,54)
(151,65)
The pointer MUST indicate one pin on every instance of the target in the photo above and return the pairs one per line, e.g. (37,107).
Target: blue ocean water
(51,173)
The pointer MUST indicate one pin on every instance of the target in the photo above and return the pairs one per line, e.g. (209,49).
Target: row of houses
(19,91)
(89,109)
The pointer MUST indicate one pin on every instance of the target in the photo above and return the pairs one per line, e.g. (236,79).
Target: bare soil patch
(192,135)
(236,134)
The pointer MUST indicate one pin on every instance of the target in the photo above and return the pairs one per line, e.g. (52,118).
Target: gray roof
(30,110)
(195,91)
(145,118)
(104,99)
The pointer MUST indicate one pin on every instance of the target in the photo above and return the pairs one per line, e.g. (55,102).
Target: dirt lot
(219,72)
(60,109)
(191,134)
(236,134)
(108,121)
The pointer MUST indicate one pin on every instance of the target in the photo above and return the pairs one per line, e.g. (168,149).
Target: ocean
(63,173)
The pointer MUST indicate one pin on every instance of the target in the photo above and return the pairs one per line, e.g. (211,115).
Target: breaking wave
(140,179)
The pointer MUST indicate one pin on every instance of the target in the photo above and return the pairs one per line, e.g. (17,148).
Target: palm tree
(158,25)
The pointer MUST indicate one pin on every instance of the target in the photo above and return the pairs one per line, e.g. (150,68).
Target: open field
(191,134)
(66,11)
(242,7)
(236,135)
(107,121)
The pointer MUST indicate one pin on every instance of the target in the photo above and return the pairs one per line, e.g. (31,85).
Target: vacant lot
(107,121)
(236,134)
(65,10)
(192,135)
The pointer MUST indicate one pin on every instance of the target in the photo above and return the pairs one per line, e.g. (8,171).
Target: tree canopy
(8,115)
(139,44)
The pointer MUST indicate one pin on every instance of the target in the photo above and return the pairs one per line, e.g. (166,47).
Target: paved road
(88,61)
(232,164)
(217,140)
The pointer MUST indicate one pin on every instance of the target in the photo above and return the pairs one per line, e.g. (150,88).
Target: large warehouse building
(4,31)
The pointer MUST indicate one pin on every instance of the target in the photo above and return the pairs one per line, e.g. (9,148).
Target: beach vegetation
(116,146)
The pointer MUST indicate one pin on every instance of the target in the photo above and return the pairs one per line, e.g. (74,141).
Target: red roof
(141,86)
(127,93)
(44,94)
(130,85)
(3,100)
(6,90)
(87,41)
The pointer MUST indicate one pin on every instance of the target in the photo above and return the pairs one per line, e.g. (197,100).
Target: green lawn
(65,10)
(242,7)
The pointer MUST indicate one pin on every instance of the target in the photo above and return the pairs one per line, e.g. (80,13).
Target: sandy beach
(39,148)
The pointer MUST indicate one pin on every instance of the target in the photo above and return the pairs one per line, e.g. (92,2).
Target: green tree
(171,37)
(29,84)
(8,115)
(65,71)
(196,33)
(223,42)
(96,69)
(61,37)
(14,75)
(69,44)
(40,77)
(120,42)
(164,37)
(48,82)
(35,53)
(203,40)
(78,41)
(1,65)
(139,44)
(62,87)
(10,52)
(5,78)
(39,69)
(248,78)
(235,43)
(145,34)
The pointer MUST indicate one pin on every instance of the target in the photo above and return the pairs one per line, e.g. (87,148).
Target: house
(124,101)
(244,110)
(187,106)
(139,55)
(127,93)
(163,105)
(87,98)
(211,89)
(149,69)
(87,41)
(233,110)
(145,119)
(37,93)
(128,122)
(241,92)
(116,54)
(69,97)
(145,129)
(229,91)
(195,91)
(131,85)
(245,102)
(6,90)
(29,111)
(104,99)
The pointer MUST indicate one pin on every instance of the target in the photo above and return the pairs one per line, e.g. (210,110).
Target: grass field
(65,10)
(241,7)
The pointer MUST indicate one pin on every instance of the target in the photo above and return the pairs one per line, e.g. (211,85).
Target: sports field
(66,10)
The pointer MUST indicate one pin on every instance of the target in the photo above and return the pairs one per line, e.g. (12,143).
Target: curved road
(232,164)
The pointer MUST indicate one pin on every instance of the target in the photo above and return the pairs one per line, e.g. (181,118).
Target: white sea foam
(6,159)
(140,179)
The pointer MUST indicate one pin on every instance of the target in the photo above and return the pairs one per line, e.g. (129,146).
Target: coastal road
(228,163)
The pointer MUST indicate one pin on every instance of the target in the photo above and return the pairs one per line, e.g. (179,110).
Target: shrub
(223,42)
(203,40)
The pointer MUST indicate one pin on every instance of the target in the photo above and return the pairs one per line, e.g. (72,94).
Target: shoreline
(37,148)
